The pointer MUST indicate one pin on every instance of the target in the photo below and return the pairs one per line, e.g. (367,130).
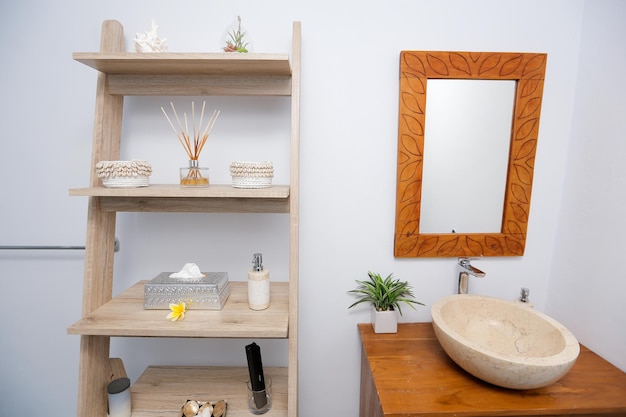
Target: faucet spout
(466,266)
(466,269)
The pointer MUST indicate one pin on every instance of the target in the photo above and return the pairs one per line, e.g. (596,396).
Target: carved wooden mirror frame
(416,67)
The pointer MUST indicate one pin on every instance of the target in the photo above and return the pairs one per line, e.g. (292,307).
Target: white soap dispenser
(258,284)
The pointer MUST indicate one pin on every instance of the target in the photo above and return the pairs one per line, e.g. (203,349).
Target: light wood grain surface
(124,315)
(185,63)
(162,390)
(175,190)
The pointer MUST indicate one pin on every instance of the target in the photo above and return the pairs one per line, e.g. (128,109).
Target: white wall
(587,286)
(349,125)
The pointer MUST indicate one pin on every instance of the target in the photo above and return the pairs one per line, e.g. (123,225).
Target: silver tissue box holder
(206,293)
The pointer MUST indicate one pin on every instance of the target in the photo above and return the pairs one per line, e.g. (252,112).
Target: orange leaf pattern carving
(519,193)
(536,63)
(415,69)
(427,245)
(527,150)
(514,246)
(513,228)
(415,84)
(414,125)
(510,66)
(474,246)
(519,212)
(409,211)
(411,191)
(409,101)
(460,63)
(494,245)
(489,64)
(526,129)
(522,175)
(530,108)
(530,85)
(448,247)
(437,65)
(411,145)
(409,170)
(413,62)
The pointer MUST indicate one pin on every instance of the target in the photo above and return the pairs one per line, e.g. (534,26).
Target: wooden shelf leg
(117,369)
(95,369)
(94,375)
(294,221)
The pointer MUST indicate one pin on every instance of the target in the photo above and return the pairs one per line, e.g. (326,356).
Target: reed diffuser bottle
(194,175)
(258,284)
(193,142)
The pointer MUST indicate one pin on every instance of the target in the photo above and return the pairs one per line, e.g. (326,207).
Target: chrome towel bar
(116,247)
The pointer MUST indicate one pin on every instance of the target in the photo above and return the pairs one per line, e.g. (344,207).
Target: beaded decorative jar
(124,174)
(251,174)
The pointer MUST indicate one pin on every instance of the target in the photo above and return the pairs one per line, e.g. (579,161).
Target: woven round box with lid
(124,174)
(252,174)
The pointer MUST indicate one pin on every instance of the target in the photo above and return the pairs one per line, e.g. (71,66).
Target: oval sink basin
(504,343)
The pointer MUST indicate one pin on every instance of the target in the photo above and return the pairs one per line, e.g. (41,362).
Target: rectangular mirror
(467,134)
(472,150)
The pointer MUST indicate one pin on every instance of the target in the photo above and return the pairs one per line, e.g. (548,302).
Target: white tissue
(190,270)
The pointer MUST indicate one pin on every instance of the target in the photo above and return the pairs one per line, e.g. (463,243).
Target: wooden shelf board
(124,315)
(180,63)
(175,190)
(198,85)
(162,390)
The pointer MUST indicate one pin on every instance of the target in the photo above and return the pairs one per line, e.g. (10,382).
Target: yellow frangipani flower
(178,311)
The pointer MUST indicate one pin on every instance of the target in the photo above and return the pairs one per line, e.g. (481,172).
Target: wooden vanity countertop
(408,374)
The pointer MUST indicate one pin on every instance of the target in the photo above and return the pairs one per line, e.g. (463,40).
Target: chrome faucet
(466,269)
(524,295)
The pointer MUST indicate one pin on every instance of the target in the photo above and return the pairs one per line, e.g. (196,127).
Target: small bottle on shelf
(258,284)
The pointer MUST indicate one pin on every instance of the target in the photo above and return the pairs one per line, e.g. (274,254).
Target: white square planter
(384,321)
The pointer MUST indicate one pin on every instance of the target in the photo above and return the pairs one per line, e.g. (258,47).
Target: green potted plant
(385,296)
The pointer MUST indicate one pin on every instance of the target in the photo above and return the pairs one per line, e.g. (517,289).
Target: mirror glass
(467,147)
(443,141)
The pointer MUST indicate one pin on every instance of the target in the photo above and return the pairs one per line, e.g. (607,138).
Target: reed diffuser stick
(193,118)
(194,143)
(180,138)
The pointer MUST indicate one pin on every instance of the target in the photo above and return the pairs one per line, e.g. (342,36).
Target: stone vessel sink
(504,343)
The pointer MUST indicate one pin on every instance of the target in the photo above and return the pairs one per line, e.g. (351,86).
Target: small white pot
(384,321)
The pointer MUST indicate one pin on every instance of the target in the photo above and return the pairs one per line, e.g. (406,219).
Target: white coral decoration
(150,42)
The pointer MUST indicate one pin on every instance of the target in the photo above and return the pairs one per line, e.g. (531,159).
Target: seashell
(206,410)
(190,408)
(134,168)
(219,409)
(252,169)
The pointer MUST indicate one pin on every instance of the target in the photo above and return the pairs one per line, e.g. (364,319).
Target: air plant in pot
(385,295)
(236,39)
(193,142)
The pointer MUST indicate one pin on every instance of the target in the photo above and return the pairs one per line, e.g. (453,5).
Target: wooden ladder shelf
(160,391)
